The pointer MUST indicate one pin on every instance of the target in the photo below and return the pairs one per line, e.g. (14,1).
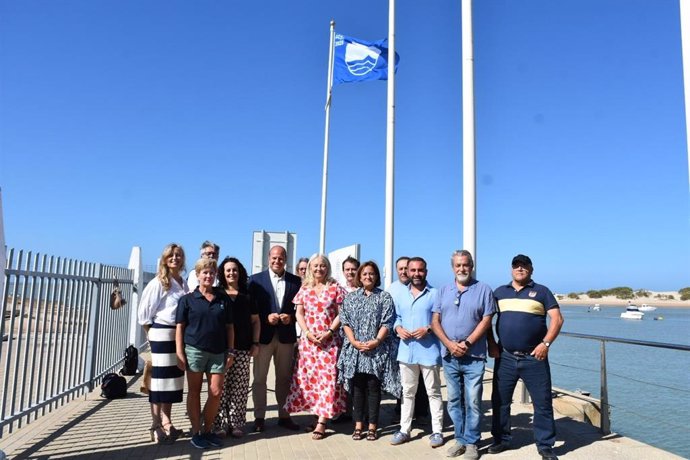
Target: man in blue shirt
(522,353)
(419,351)
(462,315)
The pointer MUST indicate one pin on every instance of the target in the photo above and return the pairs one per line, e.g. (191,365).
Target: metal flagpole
(324,183)
(390,149)
(685,47)
(469,189)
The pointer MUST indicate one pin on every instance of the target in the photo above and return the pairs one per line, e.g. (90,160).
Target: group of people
(336,348)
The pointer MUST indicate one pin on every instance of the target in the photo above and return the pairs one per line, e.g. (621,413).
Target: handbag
(116,299)
(146,380)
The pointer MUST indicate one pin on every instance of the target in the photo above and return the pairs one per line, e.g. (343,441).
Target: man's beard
(462,279)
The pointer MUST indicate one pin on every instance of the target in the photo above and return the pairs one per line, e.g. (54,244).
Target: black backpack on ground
(113,386)
(131,361)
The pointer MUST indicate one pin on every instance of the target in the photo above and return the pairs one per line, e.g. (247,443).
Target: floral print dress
(314,385)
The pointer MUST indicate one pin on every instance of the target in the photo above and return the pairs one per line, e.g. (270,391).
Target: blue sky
(128,123)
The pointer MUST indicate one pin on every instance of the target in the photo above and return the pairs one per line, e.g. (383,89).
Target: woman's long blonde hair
(163,273)
(309,277)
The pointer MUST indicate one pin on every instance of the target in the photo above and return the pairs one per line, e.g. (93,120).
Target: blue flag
(360,60)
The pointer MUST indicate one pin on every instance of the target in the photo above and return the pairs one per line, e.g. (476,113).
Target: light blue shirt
(413,313)
(461,311)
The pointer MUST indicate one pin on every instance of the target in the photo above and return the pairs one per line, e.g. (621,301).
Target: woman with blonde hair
(314,385)
(156,313)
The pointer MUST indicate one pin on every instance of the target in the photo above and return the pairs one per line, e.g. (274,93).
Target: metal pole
(390,151)
(91,351)
(469,202)
(685,47)
(324,182)
(605,421)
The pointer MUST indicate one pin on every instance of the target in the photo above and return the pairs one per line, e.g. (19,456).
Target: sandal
(173,433)
(357,434)
(312,426)
(372,435)
(319,435)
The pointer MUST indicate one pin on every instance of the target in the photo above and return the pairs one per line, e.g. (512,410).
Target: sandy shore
(611,301)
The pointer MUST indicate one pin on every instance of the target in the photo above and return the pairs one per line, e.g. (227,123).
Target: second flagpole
(324,183)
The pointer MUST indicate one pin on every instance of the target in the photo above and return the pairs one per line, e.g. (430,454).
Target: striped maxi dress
(157,308)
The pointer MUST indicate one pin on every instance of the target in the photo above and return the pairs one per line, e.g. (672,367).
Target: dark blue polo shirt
(205,321)
(521,323)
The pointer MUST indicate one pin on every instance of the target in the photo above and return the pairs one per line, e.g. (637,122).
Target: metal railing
(603,382)
(59,334)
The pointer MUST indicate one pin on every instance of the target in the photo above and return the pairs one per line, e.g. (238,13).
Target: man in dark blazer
(273,291)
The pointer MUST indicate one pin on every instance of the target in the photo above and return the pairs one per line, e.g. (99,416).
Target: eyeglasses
(208,254)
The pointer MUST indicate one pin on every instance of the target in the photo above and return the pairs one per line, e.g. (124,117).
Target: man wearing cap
(461,316)
(522,353)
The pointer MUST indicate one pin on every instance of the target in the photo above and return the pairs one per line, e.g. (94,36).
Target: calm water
(649,388)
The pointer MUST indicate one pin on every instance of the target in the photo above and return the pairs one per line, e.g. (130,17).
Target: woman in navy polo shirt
(205,339)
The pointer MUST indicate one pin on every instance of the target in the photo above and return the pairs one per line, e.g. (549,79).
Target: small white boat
(647,307)
(632,312)
(596,307)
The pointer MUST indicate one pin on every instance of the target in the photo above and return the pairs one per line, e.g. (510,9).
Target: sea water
(649,388)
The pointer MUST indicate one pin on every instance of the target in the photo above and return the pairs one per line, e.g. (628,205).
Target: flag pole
(390,150)
(685,47)
(324,183)
(469,189)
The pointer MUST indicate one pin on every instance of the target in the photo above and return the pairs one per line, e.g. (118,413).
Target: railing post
(605,421)
(524,394)
(136,336)
(91,352)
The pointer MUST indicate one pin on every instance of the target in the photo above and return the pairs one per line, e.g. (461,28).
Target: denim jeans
(464,384)
(536,376)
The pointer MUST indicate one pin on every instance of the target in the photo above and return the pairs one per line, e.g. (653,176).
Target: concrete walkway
(92,427)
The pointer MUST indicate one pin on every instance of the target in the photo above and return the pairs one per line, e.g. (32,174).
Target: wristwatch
(546,343)
(467,343)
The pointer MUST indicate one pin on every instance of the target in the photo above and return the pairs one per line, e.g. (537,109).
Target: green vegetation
(623,292)
(684,293)
(573,295)
(642,293)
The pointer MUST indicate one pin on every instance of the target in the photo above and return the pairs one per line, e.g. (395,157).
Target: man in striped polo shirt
(522,353)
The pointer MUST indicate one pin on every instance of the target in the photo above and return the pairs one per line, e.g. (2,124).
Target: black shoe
(497,448)
(288,423)
(547,454)
(259,425)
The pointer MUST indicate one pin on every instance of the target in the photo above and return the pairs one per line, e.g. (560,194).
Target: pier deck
(92,427)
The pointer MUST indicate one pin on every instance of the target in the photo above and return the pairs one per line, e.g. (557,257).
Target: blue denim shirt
(412,314)
(462,311)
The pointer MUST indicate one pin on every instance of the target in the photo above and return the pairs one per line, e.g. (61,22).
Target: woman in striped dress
(157,309)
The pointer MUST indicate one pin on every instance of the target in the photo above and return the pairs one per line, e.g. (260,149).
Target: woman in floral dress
(367,361)
(314,385)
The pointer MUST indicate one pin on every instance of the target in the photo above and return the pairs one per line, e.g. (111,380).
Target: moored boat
(647,307)
(632,312)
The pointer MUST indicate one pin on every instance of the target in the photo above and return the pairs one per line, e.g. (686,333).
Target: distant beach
(612,301)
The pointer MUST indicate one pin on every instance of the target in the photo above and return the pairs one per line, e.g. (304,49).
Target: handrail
(604,396)
(671,346)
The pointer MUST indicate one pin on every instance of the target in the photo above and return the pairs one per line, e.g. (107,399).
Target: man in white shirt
(209,250)
(273,290)
(350,267)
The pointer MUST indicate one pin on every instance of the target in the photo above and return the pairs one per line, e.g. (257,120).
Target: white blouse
(159,306)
